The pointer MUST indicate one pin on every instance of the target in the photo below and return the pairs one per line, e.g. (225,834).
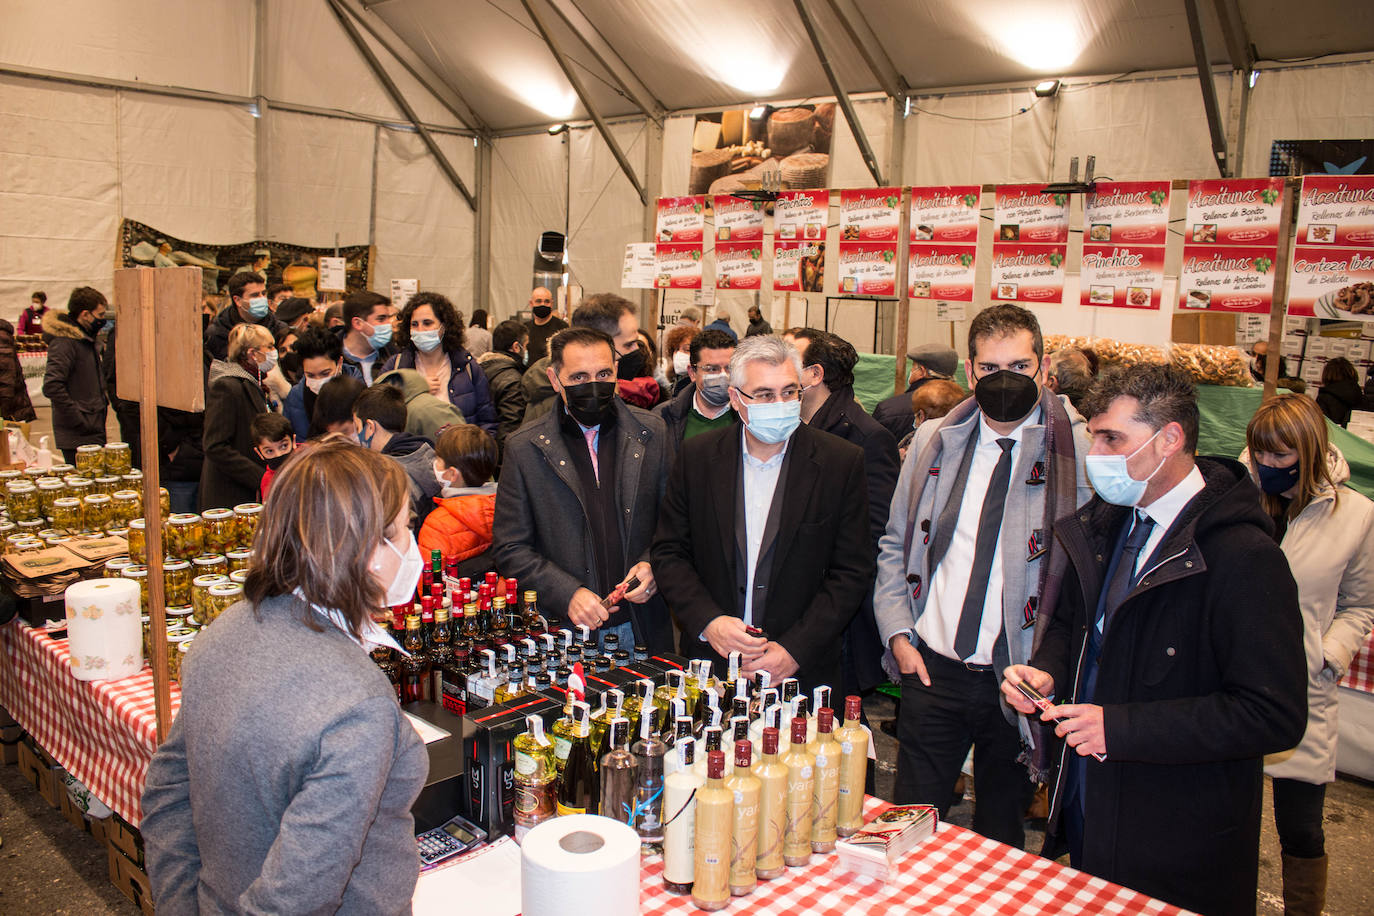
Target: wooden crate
(121,835)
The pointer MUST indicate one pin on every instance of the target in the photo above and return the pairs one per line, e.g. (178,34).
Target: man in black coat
(766,526)
(828,403)
(579,495)
(1176,650)
(504,365)
(703,403)
(928,361)
(247,302)
(72,380)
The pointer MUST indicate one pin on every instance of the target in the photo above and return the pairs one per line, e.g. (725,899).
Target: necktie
(1123,577)
(591,450)
(989,528)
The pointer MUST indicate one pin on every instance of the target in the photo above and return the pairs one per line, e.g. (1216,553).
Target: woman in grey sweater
(286,782)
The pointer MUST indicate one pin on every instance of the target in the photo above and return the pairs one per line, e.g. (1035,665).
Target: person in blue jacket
(430,335)
(321,358)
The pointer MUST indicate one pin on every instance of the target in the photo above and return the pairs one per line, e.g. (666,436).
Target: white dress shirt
(949,584)
(371,636)
(760,483)
(1164,512)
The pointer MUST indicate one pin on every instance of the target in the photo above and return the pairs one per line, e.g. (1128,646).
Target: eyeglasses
(768,396)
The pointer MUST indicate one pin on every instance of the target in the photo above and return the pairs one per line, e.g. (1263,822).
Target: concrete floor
(48,866)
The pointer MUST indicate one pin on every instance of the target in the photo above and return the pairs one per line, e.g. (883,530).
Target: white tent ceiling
(707,53)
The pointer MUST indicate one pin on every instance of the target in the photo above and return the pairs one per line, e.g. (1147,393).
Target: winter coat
(504,373)
(1330,550)
(842,416)
(293,408)
(895,413)
(217,334)
(416,457)
(1201,673)
(1338,400)
(14,391)
(673,412)
(426,415)
(467,385)
(539,393)
(477,341)
(460,525)
(232,472)
(73,383)
(31,322)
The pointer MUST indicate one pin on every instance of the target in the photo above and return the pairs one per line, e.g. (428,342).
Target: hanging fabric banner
(737,219)
(678,265)
(801,215)
(798,267)
(681,219)
(944,242)
(870,215)
(1125,226)
(739,265)
(1230,243)
(1332,272)
(1030,243)
(868,268)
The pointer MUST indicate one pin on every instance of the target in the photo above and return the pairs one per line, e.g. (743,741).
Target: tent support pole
(262,142)
(841,95)
(399,98)
(638,93)
(1209,88)
(481,242)
(652,314)
(586,101)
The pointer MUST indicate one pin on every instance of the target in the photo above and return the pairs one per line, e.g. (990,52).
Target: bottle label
(739,797)
(561,747)
(847,747)
(805,772)
(822,760)
(565,810)
(525,765)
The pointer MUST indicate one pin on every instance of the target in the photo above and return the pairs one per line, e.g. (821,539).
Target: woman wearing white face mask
(430,335)
(320,355)
(678,349)
(232,472)
(299,804)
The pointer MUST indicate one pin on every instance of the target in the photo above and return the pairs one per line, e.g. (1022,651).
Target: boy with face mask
(579,496)
(963,571)
(274,442)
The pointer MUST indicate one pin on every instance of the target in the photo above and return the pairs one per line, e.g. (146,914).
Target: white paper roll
(104,632)
(580,861)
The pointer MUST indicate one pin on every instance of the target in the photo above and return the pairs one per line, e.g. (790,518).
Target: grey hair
(762,348)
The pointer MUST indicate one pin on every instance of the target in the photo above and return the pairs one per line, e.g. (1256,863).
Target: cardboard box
(100,829)
(490,760)
(131,880)
(9,750)
(38,771)
(123,836)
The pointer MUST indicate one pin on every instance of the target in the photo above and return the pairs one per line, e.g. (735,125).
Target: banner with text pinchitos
(1230,242)
(1031,237)
(737,219)
(739,265)
(944,242)
(1125,227)
(801,215)
(1332,272)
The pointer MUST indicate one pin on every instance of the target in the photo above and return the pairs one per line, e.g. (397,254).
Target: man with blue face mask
(1174,656)
(248,302)
(763,545)
(366,334)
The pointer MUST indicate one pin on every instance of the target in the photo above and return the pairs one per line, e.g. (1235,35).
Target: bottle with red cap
(827,784)
(853,742)
(801,786)
(744,825)
(711,860)
(772,776)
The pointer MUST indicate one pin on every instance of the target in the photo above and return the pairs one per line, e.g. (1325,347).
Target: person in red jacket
(274,440)
(460,525)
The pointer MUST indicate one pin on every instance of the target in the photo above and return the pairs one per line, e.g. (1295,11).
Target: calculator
(450,839)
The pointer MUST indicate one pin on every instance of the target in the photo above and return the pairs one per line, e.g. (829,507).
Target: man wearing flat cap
(928,361)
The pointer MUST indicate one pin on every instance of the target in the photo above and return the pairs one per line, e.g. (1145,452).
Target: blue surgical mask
(774,423)
(258,307)
(363,439)
(1113,482)
(1276,481)
(380,336)
(426,341)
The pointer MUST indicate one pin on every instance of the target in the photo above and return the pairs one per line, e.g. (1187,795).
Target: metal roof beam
(1209,88)
(865,40)
(841,96)
(1238,45)
(633,87)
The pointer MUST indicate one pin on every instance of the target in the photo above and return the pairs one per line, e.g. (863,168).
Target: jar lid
(66,502)
(208,559)
(20,486)
(116,446)
(117,532)
(183,518)
(180,633)
(50,483)
(123,495)
(248,508)
(239,553)
(174,565)
(180,610)
(12,473)
(226,590)
(88,448)
(239,576)
(138,523)
(118,563)
(96,498)
(76,480)
(206,580)
(135,474)
(61,470)
(215,515)
(107,481)
(135,571)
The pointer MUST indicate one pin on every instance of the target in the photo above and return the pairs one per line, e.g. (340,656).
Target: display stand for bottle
(159,307)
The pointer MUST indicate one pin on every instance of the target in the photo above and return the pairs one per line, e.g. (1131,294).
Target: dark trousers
(1298,818)
(935,728)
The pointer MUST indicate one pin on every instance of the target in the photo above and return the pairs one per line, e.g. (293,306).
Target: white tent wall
(529,190)
(424,227)
(1308,103)
(319,181)
(605,214)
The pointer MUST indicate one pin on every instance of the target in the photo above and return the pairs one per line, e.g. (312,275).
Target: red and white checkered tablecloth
(102,732)
(1361,673)
(956,872)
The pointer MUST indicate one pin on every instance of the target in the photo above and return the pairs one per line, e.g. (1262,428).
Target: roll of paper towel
(580,861)
(104,629)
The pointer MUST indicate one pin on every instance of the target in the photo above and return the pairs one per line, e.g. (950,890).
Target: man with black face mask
(704,403)
(964,569)
(579,495)
(544,323)
(72,380)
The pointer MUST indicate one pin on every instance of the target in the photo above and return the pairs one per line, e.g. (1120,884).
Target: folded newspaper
(873,851)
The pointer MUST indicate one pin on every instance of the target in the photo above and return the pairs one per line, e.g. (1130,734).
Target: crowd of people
(1052,529)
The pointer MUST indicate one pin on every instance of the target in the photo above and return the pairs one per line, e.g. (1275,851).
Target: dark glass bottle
(415,666)
(577,788)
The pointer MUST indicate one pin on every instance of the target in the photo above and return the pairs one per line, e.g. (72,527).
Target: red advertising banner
(870,215)
(801,215)
(1029,273)
(947,214)
(1130,212)
(1336,210)
(940,272)
(799,267)
(1231,212)
(681,219)
(868,268)
(738,219)
(1332,273)
(1126,277)
(739,265)
(678,265)
(1226,279)
(1025,213)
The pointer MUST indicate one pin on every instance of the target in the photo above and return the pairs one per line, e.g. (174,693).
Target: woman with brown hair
(232,472)
(304,767)
(677,353)
(1326,531)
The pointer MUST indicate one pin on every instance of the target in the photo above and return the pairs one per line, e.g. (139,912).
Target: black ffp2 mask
(1005,396)
(590,403)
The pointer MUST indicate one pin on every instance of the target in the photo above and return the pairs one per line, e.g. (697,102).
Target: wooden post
(903,287)
(1278,307)
(152,505)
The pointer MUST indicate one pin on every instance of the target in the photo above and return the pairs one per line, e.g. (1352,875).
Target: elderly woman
(237,393)
(304,767)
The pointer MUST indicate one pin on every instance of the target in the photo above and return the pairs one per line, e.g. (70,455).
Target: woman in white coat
(1326,531)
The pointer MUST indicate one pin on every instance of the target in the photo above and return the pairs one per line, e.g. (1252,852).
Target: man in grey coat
(579,496)
(963,569)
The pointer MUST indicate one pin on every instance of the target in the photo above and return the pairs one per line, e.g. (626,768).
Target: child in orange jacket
(460,525)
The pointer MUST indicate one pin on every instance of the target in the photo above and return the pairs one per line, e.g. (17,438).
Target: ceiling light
(1254,75)
(1046,88)
(556,129)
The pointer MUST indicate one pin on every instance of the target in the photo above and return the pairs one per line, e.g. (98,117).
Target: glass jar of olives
(185,535)
(79,486)
(139,573)
(138,544)
(200,592)
(209,564)
(107,485)
(96,512)
(238,559)
(178,638)
(118,459)
(221,598)
(239,576)
(248,514)
(221,530)
(49,488)
(66,513)
(126,505)
(21,499)
(115,566)
(27,545)
(176,582)
(90,460)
